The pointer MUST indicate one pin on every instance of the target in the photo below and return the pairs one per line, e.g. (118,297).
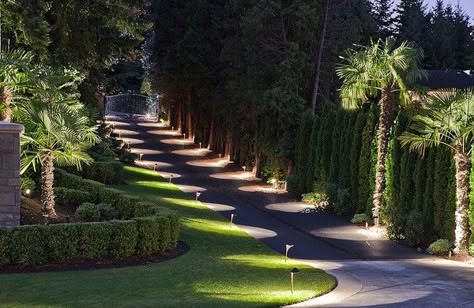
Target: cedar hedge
(145,229)
(73,197)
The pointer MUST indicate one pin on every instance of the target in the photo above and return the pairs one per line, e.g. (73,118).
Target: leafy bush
(315,197)
(29,245)
(62,242)
(360,218)
(72,197)
(156,234)
(27,183)
(88,212)
(72,181)
(93,241)
(5,243)
(123,240)
(293,183)
(107,212)
(107,172)
(440,247)
(343,204)
(414,228)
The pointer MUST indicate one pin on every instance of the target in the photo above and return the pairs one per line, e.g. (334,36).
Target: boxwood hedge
(145,229)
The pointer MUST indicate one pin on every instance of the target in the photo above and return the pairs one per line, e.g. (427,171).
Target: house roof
(447,79)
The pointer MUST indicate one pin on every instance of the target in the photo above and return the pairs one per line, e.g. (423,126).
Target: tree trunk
(317,78)
(47,182)
(5,98)
(385,124)
(179,117)
(210,144)
(461,242)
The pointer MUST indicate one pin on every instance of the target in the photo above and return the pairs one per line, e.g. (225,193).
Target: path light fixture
(155,167)
(172,127)
(245,168)
(220,155)
(198,194)
(184,136)
(141,156)
(113,126)
(292,278)
(366,225)
(200,145)
(287,249)
(28,192)
(128,144)
(232,216)
(171,177)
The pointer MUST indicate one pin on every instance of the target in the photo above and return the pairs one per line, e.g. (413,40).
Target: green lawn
(224,267)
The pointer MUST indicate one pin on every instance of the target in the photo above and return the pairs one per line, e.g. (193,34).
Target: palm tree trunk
(5,99)
(461,242)
(385,124)
(47,181)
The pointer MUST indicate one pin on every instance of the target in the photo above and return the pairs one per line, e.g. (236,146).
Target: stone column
(10,174)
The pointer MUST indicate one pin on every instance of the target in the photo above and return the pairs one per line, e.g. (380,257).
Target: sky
(467,5)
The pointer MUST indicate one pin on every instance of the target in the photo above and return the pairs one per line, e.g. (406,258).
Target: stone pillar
(10,174)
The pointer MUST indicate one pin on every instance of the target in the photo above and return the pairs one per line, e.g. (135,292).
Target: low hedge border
(107,171)
(42,244)
(144,229)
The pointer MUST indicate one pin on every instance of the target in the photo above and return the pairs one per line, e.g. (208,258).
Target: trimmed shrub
(72,197)
(88,212)
(440,247)
(93,241)
(123,240)
(107,172)
(5,246)
(360,218)
(29,245)
(156,234)
(107,212)
(72,181)
(62,242)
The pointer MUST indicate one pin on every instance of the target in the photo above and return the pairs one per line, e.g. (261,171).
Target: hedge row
(419,195)
(106,172)
(127,206)
(41,244)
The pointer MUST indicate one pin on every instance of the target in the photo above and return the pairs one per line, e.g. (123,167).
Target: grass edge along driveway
(225,267)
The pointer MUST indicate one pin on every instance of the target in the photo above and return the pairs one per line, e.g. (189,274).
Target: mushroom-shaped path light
(292,278)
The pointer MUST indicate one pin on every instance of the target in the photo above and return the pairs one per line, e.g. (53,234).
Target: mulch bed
(79,265)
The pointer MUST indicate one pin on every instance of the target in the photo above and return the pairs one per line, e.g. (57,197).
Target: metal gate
(132,104)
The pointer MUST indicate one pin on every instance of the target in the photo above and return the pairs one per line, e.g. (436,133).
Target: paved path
(371,271)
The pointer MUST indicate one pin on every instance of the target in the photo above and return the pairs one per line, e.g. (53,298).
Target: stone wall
(10,174)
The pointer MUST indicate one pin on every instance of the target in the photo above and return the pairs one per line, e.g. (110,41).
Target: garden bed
(87,264)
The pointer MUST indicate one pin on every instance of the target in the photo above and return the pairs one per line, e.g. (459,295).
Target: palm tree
(55,133)
(15,76)
(448,120)
(381,70)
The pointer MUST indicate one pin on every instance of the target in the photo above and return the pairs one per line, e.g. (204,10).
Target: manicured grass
(224,268)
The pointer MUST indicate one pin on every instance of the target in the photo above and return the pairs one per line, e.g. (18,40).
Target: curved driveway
(371,271)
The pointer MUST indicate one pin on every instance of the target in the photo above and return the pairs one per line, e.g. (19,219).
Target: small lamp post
(141,156)
(198,194)
(200,145)
(292,278)
(184,136)
(232,216)
(172,127)
(28,192)
(171,177)
(245,168)
(155,167)
(287,249)
(220,155)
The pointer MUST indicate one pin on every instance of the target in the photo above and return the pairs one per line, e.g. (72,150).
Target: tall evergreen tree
(383,14)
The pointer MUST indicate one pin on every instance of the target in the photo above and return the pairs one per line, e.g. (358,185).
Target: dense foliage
(419,200)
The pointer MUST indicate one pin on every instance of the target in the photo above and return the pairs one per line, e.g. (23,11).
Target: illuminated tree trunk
(385,124)
(5,98)
(179,118)
(211,136)
(462,231)
(47,182)
(229,147)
